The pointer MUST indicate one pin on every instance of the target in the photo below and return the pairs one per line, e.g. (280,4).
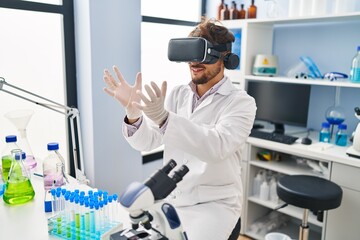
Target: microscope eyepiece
(179,174)
(169,166)
(357,111)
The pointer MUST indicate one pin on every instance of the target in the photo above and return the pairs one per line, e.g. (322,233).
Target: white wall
(107,34)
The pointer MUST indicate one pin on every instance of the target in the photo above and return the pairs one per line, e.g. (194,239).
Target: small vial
(341,135)
(325,132)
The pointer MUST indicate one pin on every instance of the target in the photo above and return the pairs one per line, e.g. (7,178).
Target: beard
(207,75)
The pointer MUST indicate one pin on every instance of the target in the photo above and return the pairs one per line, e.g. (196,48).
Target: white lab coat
(210,142)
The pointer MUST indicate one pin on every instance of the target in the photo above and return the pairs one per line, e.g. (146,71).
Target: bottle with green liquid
(18,188)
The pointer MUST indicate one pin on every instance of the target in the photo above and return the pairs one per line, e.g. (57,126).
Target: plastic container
(341,135)
(355,67)
(325,133)
(53,168)
(257,184)
(272,192)
(264,191)
(6,155)
(18,188)
(277,236)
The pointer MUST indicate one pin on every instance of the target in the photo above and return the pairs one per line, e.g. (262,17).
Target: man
(204,125)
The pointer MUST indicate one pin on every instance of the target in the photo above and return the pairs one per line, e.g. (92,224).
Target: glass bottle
(242,12)
(252,10)
(18,189)
(341,135)
(54,168)
(225,13)
(219,8)
(6,156)
(233,11)
(325,133)
(355,67)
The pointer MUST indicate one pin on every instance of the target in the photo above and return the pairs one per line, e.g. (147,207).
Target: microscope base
(352,152)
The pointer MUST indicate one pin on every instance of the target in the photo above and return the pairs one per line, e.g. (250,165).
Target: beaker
(18,189)
(21,118)
(335,114)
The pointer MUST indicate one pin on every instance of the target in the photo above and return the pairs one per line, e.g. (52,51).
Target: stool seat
(309,192)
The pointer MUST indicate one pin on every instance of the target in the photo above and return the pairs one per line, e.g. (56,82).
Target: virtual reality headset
(198,49)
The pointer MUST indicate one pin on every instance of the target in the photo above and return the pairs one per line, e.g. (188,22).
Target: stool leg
(304,227)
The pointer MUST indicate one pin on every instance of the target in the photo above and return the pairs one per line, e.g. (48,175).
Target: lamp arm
(70,112)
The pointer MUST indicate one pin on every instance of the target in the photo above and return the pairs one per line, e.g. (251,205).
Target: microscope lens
(169,166)
(179,174)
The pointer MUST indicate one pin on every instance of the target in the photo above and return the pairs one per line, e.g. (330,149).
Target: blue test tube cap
(63,191)
(100,192)
(115,196)
(110,198)
(82,193)
(90,192)
(105,193)
(10,138)
(53,192)
(58,194)
(77,191)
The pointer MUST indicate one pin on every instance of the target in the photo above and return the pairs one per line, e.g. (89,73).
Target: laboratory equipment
(306,67)
(325,132)
(251,12)
(80,215)
(242,12)
(198,49)
(341,135)
(70,112)
(265,65)
(354,150)
(54,168)
(233,11)
(18,189)
(335,114)
(143,202)
(355,67)
(21,118)
(6,155)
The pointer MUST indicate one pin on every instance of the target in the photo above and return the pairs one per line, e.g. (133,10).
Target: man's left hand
(153,108)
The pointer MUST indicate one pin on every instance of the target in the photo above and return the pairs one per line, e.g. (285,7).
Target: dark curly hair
(213,31)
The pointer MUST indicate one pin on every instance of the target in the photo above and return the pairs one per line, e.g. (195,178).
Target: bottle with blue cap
(325,133)
(54,168)
(6,155)
(355,67)
(341,135)
(18,189)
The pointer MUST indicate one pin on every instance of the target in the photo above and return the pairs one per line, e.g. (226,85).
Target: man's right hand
(124,93)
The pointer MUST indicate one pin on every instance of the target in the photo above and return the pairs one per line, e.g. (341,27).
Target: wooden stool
(310,193)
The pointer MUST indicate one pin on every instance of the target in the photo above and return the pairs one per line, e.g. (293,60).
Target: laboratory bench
(295,159)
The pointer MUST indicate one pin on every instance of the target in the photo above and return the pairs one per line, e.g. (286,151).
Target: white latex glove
(123,92)
(154,107)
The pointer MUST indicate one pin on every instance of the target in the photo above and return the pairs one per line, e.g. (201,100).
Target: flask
(220,7)
(252,10)
(53,168)
(242,12)
(325,132)
(6,156)
(18,189)
(264,191)
(341,135)
(256,185)
(355,67)
(233,11)
(225,13)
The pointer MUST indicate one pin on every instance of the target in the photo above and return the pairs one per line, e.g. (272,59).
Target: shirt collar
(212,90)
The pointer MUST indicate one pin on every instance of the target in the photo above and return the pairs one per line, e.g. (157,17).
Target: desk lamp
(70,112)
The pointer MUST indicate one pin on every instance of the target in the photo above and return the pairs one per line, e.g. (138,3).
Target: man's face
(203,73)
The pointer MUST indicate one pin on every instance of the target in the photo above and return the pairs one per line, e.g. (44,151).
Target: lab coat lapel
(225,89)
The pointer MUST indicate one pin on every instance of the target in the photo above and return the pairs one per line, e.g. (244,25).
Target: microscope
(354,150)
(151,218)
